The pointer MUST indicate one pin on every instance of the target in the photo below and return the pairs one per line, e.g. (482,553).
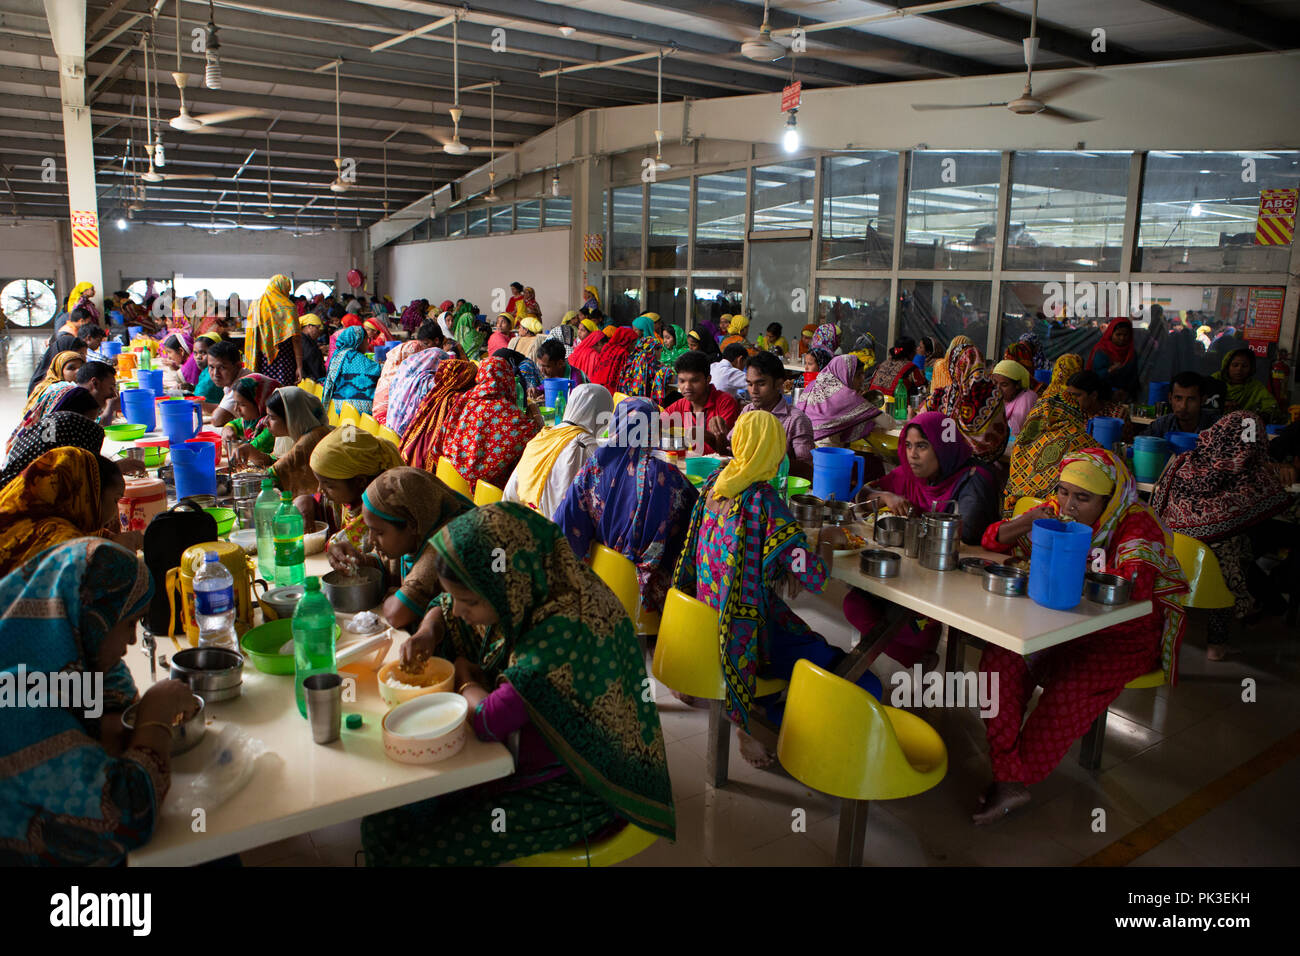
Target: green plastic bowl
(124,433)
(262,645)
(225,518)
(696,480)
(797,486)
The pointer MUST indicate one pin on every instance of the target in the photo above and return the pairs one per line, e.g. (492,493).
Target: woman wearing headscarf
(1018,395)
(543,650)
(527,305)
(63,342)
(1056,427)
(1039,354)
(814,360)
(645,373)
(392,363)
(412,381)
(377,333)
(527,375)
(436,410)
(490,430)
(345,462)
(736,330)
(62,370)
(56,387)
(1081,678)
(632,498)
(835,406)
(1244,391)
(1063,369)
(1114,358)
(591,298)
(975,403)
(699,340)
(552,458)
(501,334)
(586,353)
(528,337)
(932,472)
(711,330)
(296,422)
(274,338)
(71,797)
(826,336)
(566,333)
(352,377)
(252,392)
(941,377)
(176,353)
(413,315)
(675,343)
(82,297)
(348,321)
(1216,493)
(607,369)
(741,548)
(58,430)
(805,338)
(899,367)
(66,493)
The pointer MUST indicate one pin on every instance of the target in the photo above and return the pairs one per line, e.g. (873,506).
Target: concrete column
(67,19)
(588,213)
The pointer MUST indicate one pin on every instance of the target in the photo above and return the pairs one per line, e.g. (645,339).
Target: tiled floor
(1161,747)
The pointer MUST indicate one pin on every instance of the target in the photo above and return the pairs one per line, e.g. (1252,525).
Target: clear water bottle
(264,509)
(214,603)
(290,553)
(313,639)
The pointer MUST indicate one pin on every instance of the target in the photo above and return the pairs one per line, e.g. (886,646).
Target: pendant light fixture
(455,147)
(555,131)
(212,69)
(340,185)
(492,148)
(660,165)
(153,151)
(268,212)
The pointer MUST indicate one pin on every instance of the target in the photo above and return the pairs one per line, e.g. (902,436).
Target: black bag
(165,540)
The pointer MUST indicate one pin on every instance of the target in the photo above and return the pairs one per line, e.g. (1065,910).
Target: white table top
(959,600)
(306,785)
(1141,420)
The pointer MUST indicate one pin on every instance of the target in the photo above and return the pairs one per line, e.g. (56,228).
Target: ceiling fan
(762,47)
(153,147)
(185,121)
(1027,104)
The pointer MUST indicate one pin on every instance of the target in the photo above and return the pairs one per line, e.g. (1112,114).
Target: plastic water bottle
(214,603)
(264,509)
(290,554)
(146,359)
(313,639)
(900,402)
(560,405)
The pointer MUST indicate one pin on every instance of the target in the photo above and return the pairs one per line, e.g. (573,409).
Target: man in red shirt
(699,397)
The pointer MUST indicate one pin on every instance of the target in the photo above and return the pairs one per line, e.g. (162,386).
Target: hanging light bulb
(555,185)
(121,222)
(212,69)
(791,138)
(159,157)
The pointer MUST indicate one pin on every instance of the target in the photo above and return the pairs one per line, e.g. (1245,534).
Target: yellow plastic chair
(688,660)
(332,413)
(389,435)
(1024,504)
(837,739)
(369,424)
(624,844)
(620,574)
(349,415)
(1209,592)
(449,476)
(486,493)
(308,385)
(619,396)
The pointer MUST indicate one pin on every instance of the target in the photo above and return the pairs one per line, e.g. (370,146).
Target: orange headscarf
(54,499)
(422,439)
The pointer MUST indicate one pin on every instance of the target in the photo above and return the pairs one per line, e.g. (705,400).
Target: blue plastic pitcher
(1106,430)
(1157,392)
(1150,453)
(150,378)
(1057,562)
(1043,375)
(1180,442)
(181,419)
(554,388)
(135,330)
(137,406)
(195,468)
(834,471)
(112,347)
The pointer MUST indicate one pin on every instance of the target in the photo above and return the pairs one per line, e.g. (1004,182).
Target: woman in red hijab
(609,364)
(378,334)
(1114,358)
(586,353)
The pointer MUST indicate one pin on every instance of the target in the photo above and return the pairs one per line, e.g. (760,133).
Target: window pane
(624,299)
(1067,211)
(478,221)
(857,306)
(559,211)
(455,225)
(943,310)
(858,198)
(720,220)
(528,215)
(668,298)
(502,218)
(625,231)
(952,203)
(1198,215)
(669,227)
(783,195)
(421,231)
(438,228)
(714,297)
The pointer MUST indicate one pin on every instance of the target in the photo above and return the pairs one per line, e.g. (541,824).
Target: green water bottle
(561,403)
(313,639)
(264,512)
(290,554)
(900,402)
(781,474)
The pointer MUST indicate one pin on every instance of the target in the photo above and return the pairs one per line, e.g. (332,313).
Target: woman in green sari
(1245,392)
(544,649)
(464,332)
(678,346)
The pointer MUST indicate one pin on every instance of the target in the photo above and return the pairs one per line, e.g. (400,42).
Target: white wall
(32,249)
(472,268)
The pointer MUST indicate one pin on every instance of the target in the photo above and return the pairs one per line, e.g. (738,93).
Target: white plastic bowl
(427,729)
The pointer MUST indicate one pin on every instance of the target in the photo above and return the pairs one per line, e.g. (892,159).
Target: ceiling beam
(1249,23)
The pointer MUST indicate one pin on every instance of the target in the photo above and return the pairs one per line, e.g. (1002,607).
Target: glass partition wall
(991,245)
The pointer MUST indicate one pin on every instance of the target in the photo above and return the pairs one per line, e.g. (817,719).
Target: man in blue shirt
(1186,393)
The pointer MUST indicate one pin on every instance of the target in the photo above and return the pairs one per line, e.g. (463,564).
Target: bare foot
(999,800)
(755,754)
(689,701)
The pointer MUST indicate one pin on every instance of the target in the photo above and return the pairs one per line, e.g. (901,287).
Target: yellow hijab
(272,320)
(738,325)
(758,443)
(77,292)
(52,375)
(348,452)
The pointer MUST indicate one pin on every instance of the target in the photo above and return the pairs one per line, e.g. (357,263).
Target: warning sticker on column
(85,229)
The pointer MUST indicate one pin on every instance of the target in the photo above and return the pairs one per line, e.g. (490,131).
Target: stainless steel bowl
(890,531)
(247,484)
(350,594)
(283,601)
(880,564)
(1008,582)
(214,673)
(808,510)
(839,513)
(975,565)
(1106,588)
(185,735)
